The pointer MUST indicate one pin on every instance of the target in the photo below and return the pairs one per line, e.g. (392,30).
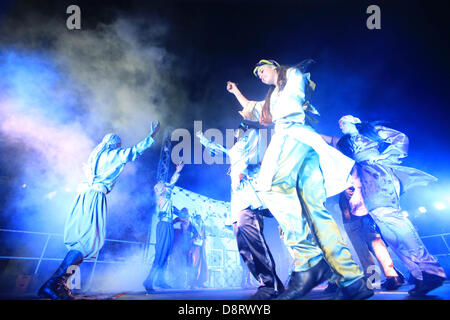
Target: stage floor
(441,293)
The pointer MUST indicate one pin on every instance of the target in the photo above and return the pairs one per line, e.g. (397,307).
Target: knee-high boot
(56,287)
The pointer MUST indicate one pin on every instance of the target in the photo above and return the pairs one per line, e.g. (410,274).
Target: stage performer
(366,238)
(197,254)
(298,172)
(164,232)
(378,151)
(247,210)
(85,227)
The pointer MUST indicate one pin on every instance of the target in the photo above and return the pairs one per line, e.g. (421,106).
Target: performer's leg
(163,246)
(313,196)
(372,237)
(84,236)
(358,240)
(312,190)
(56,287)
(255,252)
(165,253)
(371,234)
(403,239)
(309,266)
(278,282)
(285,207)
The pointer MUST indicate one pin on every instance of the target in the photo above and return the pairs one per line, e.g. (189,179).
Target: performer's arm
(232,87)
(250,108)
(330,140)
(175,176)
(211,145)
(131,154)
(398,143)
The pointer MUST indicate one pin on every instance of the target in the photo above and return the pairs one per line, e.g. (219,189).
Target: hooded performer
(298,172)
(85,228)
(382,181)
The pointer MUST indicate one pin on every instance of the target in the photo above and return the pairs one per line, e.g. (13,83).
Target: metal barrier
(145,248)
(442,236)
(91,260)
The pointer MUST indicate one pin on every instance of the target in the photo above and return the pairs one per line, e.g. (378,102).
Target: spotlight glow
(422,209)
(439,205)
(405,213)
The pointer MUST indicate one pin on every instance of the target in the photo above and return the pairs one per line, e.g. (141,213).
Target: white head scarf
(110,141)
(349,118)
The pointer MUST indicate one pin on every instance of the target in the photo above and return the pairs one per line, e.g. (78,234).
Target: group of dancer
(291,181)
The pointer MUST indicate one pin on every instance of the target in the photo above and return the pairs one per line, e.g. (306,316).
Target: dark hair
(266,117)
(344,203)
(365,128)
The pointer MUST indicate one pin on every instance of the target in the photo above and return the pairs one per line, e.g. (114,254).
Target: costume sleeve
(252,111)
(212,145)
(331,140)
(398,142)
(173,180)
(295,87)
(131,154)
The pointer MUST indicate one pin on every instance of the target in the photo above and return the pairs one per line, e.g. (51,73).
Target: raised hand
(154,128)
(232,87)
(180,166)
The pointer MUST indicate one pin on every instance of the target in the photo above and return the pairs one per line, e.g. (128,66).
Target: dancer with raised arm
(247,210)
(299,171)
(164,232)
(85,228)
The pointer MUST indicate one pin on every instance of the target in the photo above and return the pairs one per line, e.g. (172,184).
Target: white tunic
(286,107)
(245,159)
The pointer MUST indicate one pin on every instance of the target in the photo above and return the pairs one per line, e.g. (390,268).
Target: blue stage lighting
(422,209)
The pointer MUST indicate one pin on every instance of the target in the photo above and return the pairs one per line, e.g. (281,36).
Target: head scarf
(110,141)
(349,118)
(265,62)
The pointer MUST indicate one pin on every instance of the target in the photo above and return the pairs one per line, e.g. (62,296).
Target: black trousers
(253,248)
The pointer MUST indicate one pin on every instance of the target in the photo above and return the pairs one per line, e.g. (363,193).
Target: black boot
(56,287)
(429,282)
(268,291)
(392,283)
(301,283)
(331,288)
(400,275)
(264,293)
(358,290)
(280,286)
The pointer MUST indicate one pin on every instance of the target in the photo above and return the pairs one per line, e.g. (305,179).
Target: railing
(44,248)
(442,236)
(146,258)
